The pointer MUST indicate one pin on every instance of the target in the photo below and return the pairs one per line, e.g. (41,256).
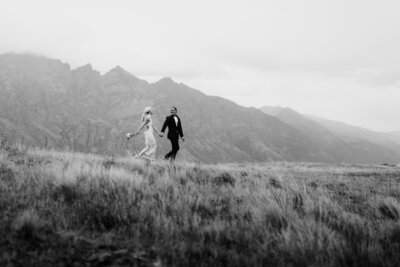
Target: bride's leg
(143,151)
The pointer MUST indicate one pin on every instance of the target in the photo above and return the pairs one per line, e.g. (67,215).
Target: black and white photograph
(199,133)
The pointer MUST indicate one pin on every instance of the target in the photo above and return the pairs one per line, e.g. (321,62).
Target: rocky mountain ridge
(47,104)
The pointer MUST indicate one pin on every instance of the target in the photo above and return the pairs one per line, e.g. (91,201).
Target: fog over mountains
(45,103)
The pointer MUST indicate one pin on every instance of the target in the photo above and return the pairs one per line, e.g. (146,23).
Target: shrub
(67,192)
(108,163)
(28,224)
(275,183)
(224,178)
(6,173)
(275,220)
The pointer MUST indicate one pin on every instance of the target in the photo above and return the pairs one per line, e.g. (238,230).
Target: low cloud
(379,77)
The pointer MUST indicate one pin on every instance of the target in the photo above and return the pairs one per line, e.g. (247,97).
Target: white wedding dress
(149,152)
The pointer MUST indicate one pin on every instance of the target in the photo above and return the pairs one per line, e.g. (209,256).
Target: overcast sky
(335,59)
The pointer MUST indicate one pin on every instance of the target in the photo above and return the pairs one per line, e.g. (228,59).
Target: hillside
(396,136)
(74,209)
(339,142)
(47,104)
(355,132)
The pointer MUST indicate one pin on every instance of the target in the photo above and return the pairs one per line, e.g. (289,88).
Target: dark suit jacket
(174,131)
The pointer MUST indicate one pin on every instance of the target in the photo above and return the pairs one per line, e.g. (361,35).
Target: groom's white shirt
(176,120)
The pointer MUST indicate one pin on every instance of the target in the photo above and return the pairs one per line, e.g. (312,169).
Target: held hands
(183,139)
(161,134)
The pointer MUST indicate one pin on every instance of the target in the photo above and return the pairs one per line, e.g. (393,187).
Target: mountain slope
(355,132)
(395,135)
(340,141)
(47,104)
(229,130)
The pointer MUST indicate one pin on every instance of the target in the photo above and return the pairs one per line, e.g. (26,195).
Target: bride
(149,152)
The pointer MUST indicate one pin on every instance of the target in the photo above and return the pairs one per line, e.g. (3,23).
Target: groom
(173,122)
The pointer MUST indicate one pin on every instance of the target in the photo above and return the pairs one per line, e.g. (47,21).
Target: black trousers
(175,148)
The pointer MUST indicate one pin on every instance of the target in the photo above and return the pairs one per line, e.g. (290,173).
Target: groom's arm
(180,129)
(164,126)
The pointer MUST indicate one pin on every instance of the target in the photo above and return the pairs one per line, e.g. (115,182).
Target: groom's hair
(175,108)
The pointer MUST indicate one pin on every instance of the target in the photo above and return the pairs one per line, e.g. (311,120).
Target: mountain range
(47,104)
(341,141)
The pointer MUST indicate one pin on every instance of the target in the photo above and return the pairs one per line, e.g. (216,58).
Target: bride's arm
(141,126)
(154,127)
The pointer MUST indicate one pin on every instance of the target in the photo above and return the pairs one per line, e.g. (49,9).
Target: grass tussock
(86,210)
(27,225)
(390,208)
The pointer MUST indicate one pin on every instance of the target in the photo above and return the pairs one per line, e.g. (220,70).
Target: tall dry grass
(70,208)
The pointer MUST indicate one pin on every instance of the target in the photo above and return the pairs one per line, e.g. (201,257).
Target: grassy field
(66,209)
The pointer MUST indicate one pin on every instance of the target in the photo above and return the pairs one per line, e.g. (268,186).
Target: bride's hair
(146,111)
